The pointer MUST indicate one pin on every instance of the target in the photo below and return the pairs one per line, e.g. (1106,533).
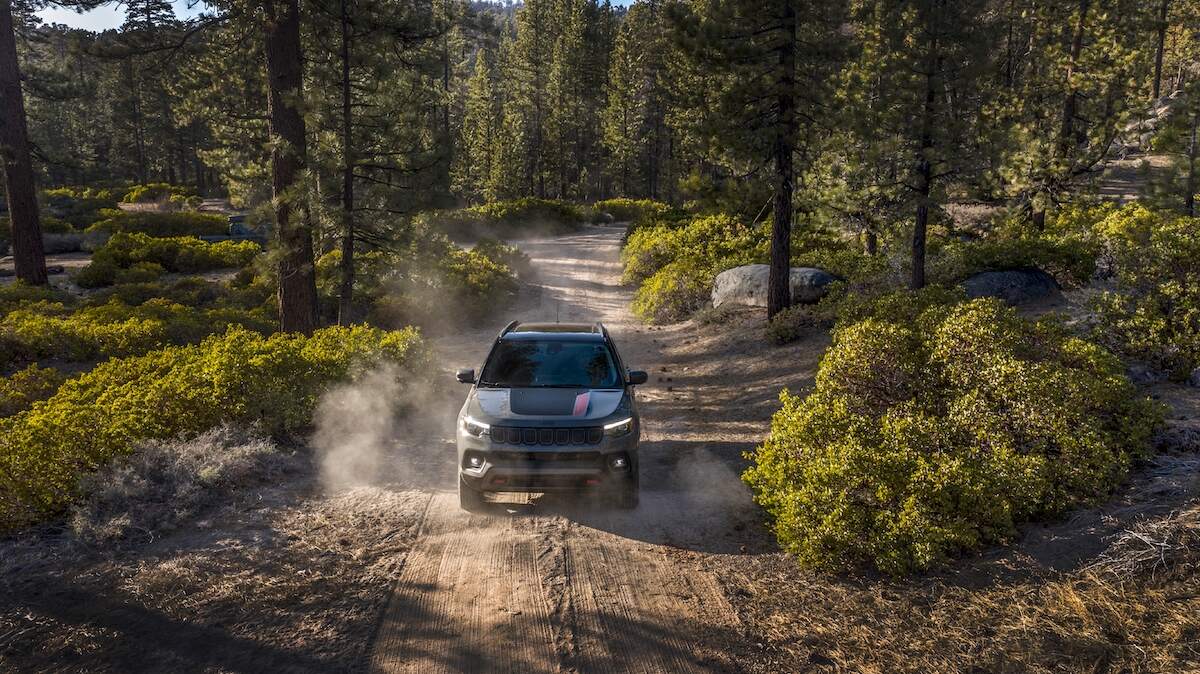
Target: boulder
(747,285)
(1194,378)
(1014,286)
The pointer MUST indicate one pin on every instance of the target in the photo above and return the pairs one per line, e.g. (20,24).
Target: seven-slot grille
(510,435)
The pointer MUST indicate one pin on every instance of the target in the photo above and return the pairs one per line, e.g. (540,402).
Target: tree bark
(1160,47)
(779,281)
(924,160)
(28,256)
(346,291)
(289,153)
(1189,200)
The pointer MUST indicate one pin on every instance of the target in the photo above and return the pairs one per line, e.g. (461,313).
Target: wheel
(468,499)
(628,495)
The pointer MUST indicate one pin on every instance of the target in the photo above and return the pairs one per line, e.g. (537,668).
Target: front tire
(628,495)
(468,499)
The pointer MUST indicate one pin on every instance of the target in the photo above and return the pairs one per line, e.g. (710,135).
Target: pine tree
(19,188)
(479,133)
(774,60)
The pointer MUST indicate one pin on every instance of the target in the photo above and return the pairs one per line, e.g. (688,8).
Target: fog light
(618,463)
(475,461)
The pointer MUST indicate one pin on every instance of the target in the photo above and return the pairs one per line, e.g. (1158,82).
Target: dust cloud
(355,426)
(385,428)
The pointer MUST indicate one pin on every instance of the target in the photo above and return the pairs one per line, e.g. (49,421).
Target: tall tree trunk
(1160,47)
(779,277)
(346,291)
(28,257)
(289,153)
(1189,200)
(924,161)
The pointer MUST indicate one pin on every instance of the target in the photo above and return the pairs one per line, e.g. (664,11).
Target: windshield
(548,363)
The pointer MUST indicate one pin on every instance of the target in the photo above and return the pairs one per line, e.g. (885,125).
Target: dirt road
(551,584)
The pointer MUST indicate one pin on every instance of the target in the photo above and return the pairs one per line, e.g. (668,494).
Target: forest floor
(389,575)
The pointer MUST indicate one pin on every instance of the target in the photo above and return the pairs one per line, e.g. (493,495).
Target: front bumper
(507,467)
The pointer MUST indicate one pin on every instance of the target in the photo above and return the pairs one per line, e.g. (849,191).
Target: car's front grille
(510,435)
(574,459)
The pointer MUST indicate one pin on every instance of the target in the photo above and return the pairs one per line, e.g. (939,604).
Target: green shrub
(716,242)
(240,378)
(636,211)
(19,391)
(157,223)
(674,293)
(926,438)
(1071,260)
(417,283)
(78,206)
(44,331)
(506,254)
(1153,315)
(138,258)
(154,192)
(897,306)
(505,219)
(18,295)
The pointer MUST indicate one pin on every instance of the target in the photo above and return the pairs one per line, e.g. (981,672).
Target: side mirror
(465,376)
(637,377)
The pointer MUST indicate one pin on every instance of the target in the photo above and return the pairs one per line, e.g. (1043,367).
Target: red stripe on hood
(581,404)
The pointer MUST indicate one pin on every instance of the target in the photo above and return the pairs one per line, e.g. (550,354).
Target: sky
(108,16)
(113,15)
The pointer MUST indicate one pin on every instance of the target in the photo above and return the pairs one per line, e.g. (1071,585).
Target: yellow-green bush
(505,219)
(1071,260)
(1154,313)
(152,192)
(18,295)
(156,223)
(240,377)
(635,211)
(79,206)
(139,258)
(43,331)
(20,390)
(934,436)
(675,266)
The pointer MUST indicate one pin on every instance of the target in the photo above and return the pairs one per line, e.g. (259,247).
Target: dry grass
(161,484)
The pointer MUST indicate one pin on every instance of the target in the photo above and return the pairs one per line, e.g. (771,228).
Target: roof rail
(508,328)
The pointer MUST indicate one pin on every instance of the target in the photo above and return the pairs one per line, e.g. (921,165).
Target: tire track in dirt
(553,583)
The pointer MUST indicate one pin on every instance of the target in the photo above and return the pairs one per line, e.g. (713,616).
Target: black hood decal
(544,401)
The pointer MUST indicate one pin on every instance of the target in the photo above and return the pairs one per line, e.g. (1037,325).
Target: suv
(552,410)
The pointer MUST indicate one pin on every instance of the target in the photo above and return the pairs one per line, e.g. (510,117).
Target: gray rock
(1144,375)
(1014,286)
(1194,379)
(747,285)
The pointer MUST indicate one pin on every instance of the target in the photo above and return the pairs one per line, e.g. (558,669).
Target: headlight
(619,428)
(475,428)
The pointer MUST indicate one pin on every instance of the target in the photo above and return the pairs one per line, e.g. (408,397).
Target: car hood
(558,404)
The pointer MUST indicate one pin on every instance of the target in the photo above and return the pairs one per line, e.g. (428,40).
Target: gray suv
(552,410)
